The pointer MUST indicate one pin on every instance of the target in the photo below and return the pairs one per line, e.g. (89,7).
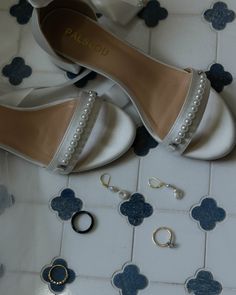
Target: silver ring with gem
(170,243)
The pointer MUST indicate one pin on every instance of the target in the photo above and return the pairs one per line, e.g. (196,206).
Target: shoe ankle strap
(39,3)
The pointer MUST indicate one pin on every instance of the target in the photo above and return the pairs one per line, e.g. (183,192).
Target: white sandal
(175,105)
(67,136)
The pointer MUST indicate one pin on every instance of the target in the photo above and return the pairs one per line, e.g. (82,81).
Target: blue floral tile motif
(84,81)
(58,274)
(143,142)
(6,199)
(218,77)
(203,284)
(208,214)
(22,11)
(219,15)
(66,204)
(130,281)
(153,13)
(16,71)
(136,209)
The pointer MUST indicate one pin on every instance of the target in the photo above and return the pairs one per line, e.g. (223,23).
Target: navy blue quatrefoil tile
(22,11)
(153,13)
(129,281)
(219,15)
(203,284)
(57,270)
(136,209)
(143,142)
(218,77)
(84,81)
(208,214)
(16,71)
(66,204)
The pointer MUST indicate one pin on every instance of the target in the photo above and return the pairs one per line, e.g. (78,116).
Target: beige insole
(35,133)
(158,90)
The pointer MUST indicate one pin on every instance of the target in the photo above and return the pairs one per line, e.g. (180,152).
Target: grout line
(63,223)
(210,178)
(167,283)
(149,41)
(205,250)
(62,234)
(132,247)
(137,187)
(19,41)
(185,14)
(217,46)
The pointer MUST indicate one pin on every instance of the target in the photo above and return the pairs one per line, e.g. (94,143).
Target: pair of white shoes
(177,106)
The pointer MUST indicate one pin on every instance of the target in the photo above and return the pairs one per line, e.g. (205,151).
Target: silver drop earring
(156,183)
(105,181)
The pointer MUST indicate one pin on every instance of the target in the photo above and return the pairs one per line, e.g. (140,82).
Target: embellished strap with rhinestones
(189,118)
(77,134)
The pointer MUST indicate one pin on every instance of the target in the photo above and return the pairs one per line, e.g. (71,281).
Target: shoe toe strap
(189,118)
(77,134)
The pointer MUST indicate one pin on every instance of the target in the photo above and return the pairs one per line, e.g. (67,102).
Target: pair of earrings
(153,182)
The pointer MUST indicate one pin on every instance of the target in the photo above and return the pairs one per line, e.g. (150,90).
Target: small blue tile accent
(218,77)
(143,142)
(58,275)
(219,15)
(16,71)
(6,199)
(136,209)
(22,11)
(130,281)
(153,13)
(83,82)
(203,284)
(66,204)
(208,214)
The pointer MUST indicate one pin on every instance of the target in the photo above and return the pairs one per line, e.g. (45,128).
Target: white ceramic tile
(30,237)
(9,38)
(223,184)
(88,286)
(173,42)
(228,292)
(231,4)
(130,33)
(191,176)
(88,185)
(169,265)
(23,284)
(102,252)
(165,289)
(43,185)
(6,4)
(221,252)
(186,6)
(226,53)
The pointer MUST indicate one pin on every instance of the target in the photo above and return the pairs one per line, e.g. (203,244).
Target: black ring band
(76,228)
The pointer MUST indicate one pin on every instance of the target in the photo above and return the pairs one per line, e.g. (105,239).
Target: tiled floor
(32,234)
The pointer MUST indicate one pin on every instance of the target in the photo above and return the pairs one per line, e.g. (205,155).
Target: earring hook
(103,181)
